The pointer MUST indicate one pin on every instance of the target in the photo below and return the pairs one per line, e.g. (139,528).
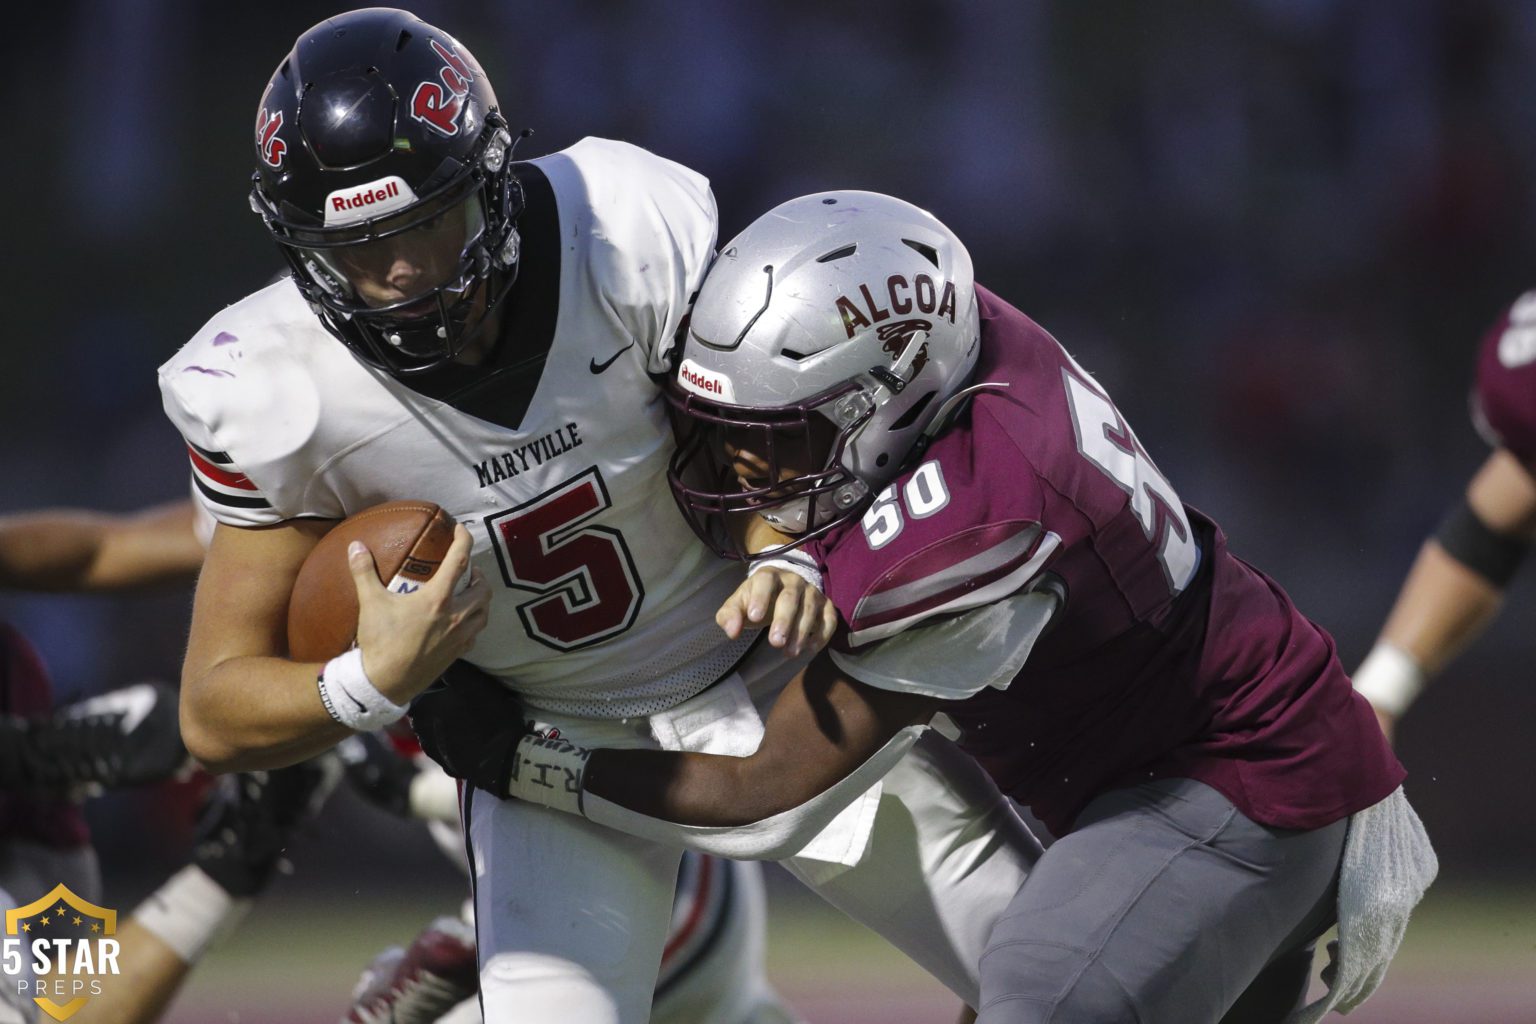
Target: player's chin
(418,310)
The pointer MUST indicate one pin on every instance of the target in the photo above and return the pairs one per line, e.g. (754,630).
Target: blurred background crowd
(1276,230)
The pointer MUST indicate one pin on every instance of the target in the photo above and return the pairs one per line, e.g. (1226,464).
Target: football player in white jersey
(493,337)
(713,967)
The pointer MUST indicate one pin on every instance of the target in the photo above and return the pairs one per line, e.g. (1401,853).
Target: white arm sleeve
(955,657)
(774,838)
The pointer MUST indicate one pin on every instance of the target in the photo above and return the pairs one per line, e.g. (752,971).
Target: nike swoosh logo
(360,705)
(597,367)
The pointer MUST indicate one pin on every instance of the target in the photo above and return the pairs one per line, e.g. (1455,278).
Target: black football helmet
(379,136)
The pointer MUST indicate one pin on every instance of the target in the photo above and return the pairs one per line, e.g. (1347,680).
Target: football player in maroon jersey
(1457,583)
(1001,548)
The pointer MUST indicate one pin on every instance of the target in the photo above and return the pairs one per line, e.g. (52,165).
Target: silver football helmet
(824,341)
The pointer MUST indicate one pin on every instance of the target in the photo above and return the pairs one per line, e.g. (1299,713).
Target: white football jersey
(604,600)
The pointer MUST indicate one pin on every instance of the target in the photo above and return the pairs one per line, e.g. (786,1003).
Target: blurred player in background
(248,821)
(125,737)
(1001,548)
(493,336)
(1456,585)
(713,963)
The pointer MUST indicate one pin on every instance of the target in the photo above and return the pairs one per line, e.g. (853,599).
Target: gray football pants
(1166,905)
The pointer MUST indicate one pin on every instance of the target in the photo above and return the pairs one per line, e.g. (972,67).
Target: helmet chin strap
(951,407)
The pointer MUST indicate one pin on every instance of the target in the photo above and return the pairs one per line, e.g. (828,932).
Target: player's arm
(245,706)
(150,974)
(1455,587)
(826,741)
(822,728)
(834,730)
(244,832)
(75,549)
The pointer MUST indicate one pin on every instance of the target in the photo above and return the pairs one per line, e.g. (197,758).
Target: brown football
(408,540)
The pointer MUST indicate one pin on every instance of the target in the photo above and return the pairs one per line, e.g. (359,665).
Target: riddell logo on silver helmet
(704,382)
(350,205)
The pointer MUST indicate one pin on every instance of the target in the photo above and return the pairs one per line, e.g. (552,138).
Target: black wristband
(1492,555)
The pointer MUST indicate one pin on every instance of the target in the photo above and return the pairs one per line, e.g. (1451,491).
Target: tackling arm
(821,729)
(1446,603)
(827,740)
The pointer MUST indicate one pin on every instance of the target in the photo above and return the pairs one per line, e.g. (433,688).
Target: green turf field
(1470,958)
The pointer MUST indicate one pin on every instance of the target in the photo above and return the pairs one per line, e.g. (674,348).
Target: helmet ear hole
(910,416)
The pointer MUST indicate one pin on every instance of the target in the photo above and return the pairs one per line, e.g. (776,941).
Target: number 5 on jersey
(587,585)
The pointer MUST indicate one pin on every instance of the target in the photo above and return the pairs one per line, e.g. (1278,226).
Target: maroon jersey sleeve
(1504,396)
(931,570)
(937,542)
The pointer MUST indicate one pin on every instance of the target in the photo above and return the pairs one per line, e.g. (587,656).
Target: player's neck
(483,344)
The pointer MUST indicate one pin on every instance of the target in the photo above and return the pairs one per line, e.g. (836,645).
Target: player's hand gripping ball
(408,540)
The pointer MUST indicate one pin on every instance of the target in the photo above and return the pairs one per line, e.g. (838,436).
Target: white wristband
(548,772)
(351,698)
(801,565)
(1390,678)
(190,912)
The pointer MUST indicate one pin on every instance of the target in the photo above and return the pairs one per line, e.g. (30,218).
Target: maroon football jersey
(1504,397)
(26,690)
(1169,657)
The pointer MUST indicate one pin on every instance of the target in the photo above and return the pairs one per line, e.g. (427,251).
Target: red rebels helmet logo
(271,147)
(440,106)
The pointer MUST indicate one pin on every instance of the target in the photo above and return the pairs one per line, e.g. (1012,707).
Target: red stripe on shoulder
(239,481)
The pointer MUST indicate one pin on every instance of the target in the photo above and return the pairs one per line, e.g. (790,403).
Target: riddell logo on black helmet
(350,205)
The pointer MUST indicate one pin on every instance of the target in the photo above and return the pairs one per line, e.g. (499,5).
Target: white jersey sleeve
(244,394)
(653,227)
(220,488)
